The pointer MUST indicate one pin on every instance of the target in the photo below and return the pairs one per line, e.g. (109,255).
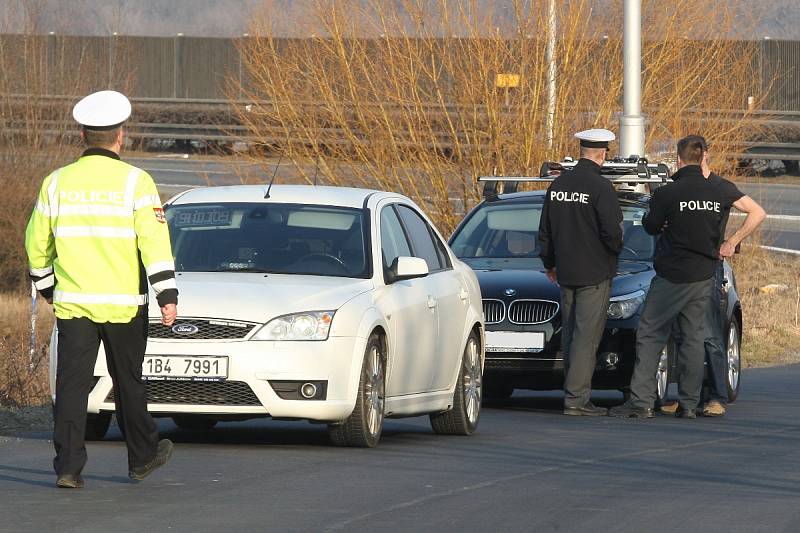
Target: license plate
(515,341)
(185,368)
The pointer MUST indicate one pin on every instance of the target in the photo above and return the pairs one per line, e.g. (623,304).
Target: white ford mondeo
(335,305)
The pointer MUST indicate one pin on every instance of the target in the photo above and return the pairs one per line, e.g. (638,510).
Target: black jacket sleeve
(653,221)
(547,252)
(609,217)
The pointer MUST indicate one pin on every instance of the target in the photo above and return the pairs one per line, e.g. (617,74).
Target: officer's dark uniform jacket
(580,231)
(693,208)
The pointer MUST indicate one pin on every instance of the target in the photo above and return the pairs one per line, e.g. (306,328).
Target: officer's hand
(727,250)
(168,314)
(551,274)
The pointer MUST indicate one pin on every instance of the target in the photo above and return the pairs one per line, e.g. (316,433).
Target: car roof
(284,194)
(626,198)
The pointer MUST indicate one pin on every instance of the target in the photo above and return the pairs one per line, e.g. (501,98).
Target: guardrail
(229,133)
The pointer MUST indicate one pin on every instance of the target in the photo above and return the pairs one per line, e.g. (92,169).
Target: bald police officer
(687,215)
(580,233)
(96,236)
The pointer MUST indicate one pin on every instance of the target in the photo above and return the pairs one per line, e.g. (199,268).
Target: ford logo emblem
(184,329)
(510,292)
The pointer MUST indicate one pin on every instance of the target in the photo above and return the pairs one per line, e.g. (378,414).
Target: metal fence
(199,68)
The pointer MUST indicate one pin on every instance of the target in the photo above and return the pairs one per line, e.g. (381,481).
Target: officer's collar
(588,163)
(100,151)
(689,171)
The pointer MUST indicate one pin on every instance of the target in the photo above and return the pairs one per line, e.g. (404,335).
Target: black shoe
(69,481)
(589,409)
(685,413)
(163,453)
(626,410)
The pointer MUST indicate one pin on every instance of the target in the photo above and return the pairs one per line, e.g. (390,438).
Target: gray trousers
(666,302)
(583,311)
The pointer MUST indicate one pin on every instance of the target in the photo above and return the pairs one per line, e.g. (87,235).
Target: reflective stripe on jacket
(96,222)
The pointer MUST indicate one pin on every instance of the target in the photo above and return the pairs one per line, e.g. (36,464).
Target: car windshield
(507,234)
(273,238)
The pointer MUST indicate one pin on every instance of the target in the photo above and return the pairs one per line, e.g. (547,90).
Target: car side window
(422,240)
(393,238)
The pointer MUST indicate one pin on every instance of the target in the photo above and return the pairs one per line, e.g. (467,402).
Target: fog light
(611,359)
(308,390)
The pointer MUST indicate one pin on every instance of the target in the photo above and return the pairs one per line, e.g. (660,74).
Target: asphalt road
(528,468)
(176,174)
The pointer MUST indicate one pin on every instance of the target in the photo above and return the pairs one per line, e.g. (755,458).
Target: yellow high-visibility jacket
(96,222)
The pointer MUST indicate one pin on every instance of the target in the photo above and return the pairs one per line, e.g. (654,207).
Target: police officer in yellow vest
(96,236)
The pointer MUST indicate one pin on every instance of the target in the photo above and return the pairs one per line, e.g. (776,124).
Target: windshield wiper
(248,270)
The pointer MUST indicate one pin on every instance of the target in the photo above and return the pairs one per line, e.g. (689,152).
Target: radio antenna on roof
(275,173)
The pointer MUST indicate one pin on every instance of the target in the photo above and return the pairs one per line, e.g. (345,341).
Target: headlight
(625,306)
(311,326)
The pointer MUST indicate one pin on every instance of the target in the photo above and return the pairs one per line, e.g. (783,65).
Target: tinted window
(511,231)
(277,238)
(421,239)
(393,239)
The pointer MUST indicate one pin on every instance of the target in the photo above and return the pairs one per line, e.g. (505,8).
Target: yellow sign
(506,80)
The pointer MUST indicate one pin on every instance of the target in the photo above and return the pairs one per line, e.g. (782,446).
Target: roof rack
(630,171)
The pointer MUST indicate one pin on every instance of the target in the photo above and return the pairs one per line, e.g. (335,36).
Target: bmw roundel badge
(510,292)
(185,329)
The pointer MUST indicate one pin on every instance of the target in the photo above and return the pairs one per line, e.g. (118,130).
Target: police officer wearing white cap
(97,235)
(580,234)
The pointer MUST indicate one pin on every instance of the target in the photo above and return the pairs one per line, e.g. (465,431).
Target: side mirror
(407,268)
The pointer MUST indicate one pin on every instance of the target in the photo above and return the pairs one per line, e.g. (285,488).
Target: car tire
(194,422)
(733,347)
(463,418)
(362,429)
(97,426)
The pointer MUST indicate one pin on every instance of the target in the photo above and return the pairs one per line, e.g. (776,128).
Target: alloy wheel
(734,357)
(473,381)
(374,393)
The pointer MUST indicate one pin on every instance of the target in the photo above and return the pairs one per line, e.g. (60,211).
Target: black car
(499,240)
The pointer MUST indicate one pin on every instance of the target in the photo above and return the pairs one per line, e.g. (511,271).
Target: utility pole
(631,133)
(552,30)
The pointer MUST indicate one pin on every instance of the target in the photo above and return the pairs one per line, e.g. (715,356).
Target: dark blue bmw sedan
(499,240)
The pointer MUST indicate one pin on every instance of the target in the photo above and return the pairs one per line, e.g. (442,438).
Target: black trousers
(78,342)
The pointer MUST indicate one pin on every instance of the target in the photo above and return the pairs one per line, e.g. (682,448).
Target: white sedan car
(335,305)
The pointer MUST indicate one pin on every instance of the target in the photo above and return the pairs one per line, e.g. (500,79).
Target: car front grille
(207,329)
(198,393)
(532,311)
(494,311)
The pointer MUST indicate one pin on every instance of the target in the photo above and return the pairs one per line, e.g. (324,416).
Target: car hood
(529,280)
(524,284)
(632,276)
(255,297)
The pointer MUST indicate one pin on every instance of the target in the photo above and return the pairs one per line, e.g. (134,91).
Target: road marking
(187,171)
(791,218)
(781,250)
(491,482)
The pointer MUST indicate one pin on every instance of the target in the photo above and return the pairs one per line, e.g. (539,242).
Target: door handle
(431,302)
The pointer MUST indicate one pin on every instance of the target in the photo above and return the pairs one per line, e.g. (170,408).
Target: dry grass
(403,95)
(23,373)
(771,319)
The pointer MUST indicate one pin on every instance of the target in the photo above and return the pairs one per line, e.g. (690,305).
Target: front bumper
(247,391)
(545,370)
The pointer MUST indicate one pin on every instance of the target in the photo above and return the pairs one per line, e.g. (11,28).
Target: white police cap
(103,110)
(596,138)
